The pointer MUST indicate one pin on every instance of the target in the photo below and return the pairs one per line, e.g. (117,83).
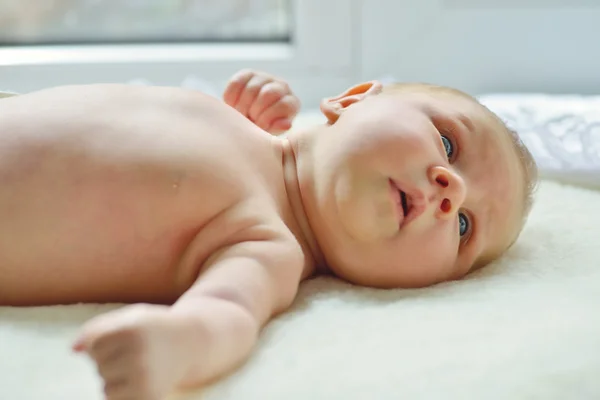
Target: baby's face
(414,188)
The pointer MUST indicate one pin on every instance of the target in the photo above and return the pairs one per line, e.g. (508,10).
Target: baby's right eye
(448,146)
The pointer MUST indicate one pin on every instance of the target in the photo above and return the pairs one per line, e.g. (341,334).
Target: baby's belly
(94,260)
(112,239)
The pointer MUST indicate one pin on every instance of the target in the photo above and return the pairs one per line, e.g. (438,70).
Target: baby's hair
(527,162)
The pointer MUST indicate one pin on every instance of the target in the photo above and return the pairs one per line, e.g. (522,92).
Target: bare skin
(102,205)
(172,199)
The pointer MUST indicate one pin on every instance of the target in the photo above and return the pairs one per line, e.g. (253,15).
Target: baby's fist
(136,352)
(263,99)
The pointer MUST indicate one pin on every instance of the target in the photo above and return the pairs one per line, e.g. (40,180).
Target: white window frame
(318,60)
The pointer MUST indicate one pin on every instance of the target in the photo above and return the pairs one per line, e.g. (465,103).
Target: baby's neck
(290,147)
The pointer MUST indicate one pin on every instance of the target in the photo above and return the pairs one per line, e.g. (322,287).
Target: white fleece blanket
(525,327)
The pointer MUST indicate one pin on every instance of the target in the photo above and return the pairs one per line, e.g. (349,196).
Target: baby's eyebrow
(466,121)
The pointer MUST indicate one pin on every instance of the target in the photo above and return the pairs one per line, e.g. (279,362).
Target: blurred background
(142,21)
(319,46)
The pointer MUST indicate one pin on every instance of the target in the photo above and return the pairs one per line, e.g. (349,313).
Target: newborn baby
(187,206)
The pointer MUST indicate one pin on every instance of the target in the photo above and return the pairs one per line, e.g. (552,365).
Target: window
(25,22)
(168,42)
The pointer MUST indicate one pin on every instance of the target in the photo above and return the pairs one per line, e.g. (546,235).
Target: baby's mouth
(404,203)
(409,204)
(401,201)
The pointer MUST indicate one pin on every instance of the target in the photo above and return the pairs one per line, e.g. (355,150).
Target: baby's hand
(137,350)
(264,99)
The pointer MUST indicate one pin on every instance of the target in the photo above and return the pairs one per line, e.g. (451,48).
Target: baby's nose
(449,191)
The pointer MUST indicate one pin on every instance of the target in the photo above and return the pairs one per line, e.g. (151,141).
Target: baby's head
(413,184)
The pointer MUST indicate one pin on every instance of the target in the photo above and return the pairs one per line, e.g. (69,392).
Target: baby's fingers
(128,390)
(91,335)
(268,95)
(119,326)
(278,117)
(280,126)
(115,345)
(119,390)
(236,86)
(250,93)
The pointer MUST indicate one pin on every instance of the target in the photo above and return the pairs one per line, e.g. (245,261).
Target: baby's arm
(264,99)
(147,351)
(238,294)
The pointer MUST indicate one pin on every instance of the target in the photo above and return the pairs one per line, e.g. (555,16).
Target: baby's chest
(240,227)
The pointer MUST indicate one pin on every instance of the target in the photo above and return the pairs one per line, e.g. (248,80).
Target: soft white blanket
(525,327)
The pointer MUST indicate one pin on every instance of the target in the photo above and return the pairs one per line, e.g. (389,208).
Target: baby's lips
(415,199)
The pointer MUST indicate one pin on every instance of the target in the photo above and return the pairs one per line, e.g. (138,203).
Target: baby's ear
(333,107)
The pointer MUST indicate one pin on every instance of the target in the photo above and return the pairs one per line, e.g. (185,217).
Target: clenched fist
(263,99)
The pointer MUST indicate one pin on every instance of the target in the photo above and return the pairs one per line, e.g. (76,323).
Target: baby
(173,199)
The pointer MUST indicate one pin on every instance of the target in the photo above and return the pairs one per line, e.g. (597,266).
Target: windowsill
(151,53)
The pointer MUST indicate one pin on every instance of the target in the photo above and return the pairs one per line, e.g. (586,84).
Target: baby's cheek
(434,250)
(415,152)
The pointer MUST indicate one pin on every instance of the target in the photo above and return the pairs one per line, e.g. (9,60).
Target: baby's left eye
(463,224)
(448,146)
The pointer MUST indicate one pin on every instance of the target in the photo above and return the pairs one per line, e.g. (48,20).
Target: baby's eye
(463,224)
(448,146)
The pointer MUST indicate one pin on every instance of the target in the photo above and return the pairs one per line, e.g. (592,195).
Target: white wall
(485,45)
